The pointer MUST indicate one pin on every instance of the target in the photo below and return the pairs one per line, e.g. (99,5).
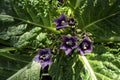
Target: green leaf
(18,43)
(11,63)
(34,13)
(61,66)
(81,71)
(7,49)
(29,72)
(105,64)
(99,18)
(26,28)
(6,18)
(69,67)
(87,65)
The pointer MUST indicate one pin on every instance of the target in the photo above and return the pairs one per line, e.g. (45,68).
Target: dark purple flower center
(62,23)
(69,43)
(84,45)
(44,56)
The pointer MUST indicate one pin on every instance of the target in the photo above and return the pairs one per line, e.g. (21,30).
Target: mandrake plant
(59,40)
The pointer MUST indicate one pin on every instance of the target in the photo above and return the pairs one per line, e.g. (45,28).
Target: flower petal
(81,52)
(63,47)
(64,38)
(88,50)
(36,58)
(59,27)
(67,51)
(56,21)
(48,50)
(44,64)
(61,21)
(62,17)
(74,38)
(74,47)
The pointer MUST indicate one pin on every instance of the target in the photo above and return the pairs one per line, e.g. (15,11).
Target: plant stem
(89,68)
(33,23)
(7,49)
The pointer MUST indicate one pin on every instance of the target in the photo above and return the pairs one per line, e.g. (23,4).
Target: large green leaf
(11,63)
(69,67)
(18,44)
(29,72)
(102,64)
(105,64)
(101,18)
(20,36)
(38,13)
(26,28)
(61,68)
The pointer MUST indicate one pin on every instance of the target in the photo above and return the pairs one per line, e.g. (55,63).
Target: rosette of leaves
(26,23)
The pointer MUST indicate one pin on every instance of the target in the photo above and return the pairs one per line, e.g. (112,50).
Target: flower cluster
(68,42)
(62,22)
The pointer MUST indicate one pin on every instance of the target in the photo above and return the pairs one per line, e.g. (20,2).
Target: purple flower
(71,21)
(60,22)
(85,46)
(43,57)
(68,43)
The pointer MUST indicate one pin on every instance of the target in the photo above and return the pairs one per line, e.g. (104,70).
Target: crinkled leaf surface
(69,68)
(29,72)
(26,24)
(19,42)
(11,63)
(106,65)
(101,18)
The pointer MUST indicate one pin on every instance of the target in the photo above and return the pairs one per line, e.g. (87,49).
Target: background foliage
(26,25)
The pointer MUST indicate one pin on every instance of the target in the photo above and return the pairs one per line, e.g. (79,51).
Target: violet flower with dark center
(85,46)
(43,57)
(71,21)
(60,22)
(68,44)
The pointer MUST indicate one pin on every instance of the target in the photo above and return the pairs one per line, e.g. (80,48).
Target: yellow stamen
(63,21)
(85,46)
(41,57)
(67,42)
